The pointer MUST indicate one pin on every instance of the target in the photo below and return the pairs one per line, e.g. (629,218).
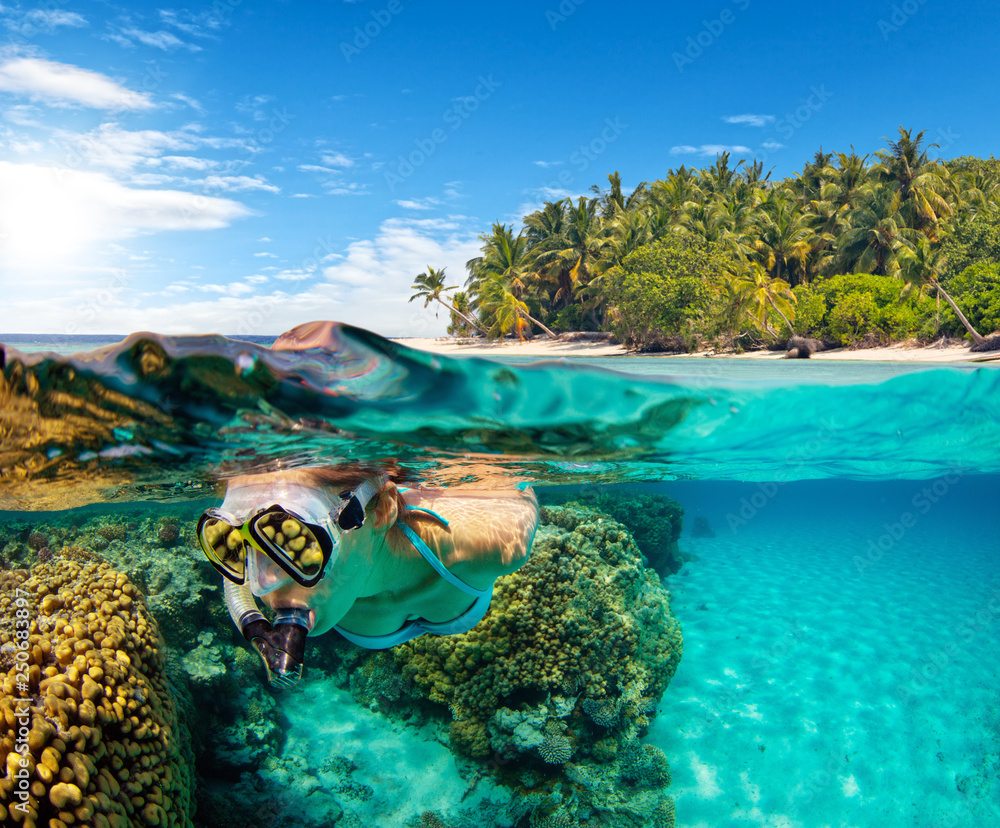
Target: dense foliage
(861,249)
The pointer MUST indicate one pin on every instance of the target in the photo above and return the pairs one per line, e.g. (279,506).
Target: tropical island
(854,250)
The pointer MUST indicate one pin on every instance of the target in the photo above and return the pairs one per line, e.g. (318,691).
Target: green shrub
(659,295)
(810,308)
(976,290)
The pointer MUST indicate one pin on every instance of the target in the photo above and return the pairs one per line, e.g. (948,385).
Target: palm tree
(878,232)
(505,259)
(921,270)
(784,239)
(430,285)
(918,180)
(764,292)
(505,310)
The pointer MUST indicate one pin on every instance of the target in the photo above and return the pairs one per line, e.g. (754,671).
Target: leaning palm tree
(504,262)
(921,269)
(765,293)
(430,285)
(504,309)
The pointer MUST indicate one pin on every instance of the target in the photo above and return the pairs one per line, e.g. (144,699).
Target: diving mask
(299,533)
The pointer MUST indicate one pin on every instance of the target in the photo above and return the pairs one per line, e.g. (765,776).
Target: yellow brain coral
(88,728)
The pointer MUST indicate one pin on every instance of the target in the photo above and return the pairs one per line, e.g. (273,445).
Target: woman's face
(342,583)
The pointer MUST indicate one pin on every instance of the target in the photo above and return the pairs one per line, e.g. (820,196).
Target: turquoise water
(840,611)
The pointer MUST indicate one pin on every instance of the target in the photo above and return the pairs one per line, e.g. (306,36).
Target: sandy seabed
(543,347)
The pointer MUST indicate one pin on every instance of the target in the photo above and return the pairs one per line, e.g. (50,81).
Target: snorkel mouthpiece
(282,646)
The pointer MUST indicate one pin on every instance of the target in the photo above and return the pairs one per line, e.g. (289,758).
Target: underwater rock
(105,746)
(702,528)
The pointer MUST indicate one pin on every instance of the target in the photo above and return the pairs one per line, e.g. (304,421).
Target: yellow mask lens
(223,544)
(286,537)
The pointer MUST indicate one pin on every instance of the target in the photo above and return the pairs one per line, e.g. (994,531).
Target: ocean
(825,535)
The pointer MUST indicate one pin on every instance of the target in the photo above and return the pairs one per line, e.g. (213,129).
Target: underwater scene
(759,594)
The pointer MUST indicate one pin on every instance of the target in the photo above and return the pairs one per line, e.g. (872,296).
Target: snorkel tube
(281,646)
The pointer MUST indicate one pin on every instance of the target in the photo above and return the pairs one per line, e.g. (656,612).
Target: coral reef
(557,683)
(104,746)
(654,521)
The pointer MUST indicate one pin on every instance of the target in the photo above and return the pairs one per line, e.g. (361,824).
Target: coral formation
(654,521)
(582,617)
(562,675)
(168,532)
(113,531)
(103,743)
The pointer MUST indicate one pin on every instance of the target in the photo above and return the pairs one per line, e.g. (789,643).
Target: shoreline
(544,348)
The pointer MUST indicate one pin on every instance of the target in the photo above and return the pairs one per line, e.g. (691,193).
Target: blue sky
(241,166)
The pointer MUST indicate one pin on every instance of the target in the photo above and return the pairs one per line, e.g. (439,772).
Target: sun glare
(47,217)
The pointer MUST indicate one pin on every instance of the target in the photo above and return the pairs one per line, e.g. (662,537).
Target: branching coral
(103,746)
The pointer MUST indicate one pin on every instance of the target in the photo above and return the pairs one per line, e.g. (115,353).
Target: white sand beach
(543,347)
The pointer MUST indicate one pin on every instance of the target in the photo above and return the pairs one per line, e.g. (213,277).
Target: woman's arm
(489,533)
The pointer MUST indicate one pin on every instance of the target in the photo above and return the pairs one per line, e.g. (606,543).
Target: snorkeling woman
(378,564)
(345,549)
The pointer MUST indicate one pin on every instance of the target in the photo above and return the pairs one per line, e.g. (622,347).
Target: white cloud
(264,239)
(166,41)
(63,84)
(238,183)
(341,188)
(257,279)
(265,254)
(749,119)
(772,145)
(304,195)
(188,162)
(707,149)
(336,159)
(376,274)
(43,20)
(187,99)
(114,148)
(51,215)
(548,163)
(418,203)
